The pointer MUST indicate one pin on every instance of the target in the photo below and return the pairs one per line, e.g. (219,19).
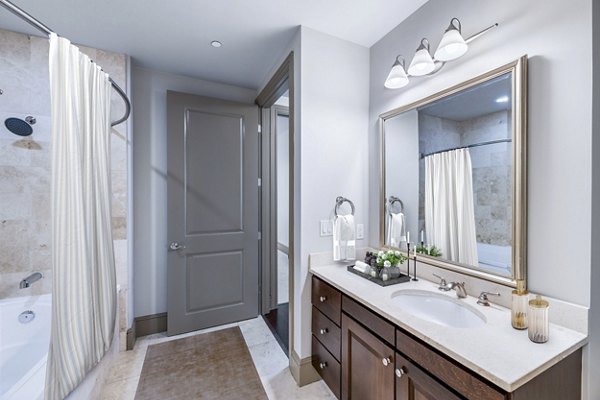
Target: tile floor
(270,361)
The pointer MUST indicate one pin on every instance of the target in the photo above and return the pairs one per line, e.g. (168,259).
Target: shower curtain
(83,267)
(449,209)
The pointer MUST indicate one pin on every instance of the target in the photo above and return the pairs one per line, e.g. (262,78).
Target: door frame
(282,80)
(271,244)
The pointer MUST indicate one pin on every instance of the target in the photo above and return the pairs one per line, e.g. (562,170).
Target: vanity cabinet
(412,383)
(363,356)
(326,333)
(368,364)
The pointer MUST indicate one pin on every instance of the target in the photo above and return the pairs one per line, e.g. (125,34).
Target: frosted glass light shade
(421,64)
(451,47)
(397,77)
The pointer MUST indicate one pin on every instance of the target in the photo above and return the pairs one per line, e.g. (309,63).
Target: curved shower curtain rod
(24,15)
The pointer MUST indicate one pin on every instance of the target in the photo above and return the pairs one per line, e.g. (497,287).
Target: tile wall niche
(25,165)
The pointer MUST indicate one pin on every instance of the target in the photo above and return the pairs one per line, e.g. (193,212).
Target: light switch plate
(360,231)
(326,227)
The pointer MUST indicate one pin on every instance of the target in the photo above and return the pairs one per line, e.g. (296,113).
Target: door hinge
(259,128)
(259,235)
(259,182)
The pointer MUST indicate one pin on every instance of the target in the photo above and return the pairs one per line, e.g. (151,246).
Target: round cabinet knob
(386,361)
(323,331)
(322,365)
(400,372)
(322,299)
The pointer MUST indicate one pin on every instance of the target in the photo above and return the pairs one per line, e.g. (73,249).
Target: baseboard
(150,324)
(131,337)
(302,370)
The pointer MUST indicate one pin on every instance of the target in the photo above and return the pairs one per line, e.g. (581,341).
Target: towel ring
(391,201)
(341,200)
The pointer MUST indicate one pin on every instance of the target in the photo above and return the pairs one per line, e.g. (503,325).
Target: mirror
(454,176)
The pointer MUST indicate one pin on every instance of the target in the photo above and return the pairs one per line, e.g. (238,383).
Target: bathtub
(495,258)
(24,347)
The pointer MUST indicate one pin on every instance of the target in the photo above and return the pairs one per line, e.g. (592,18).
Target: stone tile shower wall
(25,165)
(492,169)
(492,177)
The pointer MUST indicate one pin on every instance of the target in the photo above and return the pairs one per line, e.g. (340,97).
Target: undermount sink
(438,308)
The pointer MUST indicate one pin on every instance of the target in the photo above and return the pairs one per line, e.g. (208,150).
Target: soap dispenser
(538,320)
(520,303)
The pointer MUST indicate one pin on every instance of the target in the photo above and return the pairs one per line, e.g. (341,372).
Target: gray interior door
(213,212)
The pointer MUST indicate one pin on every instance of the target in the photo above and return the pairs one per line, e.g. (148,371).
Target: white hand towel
(344,240)
(396,232)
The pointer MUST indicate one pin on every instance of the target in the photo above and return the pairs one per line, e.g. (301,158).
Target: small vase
(394,271)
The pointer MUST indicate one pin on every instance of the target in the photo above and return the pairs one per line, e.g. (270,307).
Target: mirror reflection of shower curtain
(83,265)
(449,208)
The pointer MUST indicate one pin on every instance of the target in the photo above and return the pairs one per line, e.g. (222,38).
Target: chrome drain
(26,316)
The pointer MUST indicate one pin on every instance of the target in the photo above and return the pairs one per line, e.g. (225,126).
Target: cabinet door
(367,364)
(412,383)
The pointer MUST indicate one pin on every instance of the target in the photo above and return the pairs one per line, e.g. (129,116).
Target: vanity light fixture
(397,77)
(422,63)
(451,47)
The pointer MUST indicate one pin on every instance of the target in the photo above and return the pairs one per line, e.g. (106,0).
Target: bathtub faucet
(25,283)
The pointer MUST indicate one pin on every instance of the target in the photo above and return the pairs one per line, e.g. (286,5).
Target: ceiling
(175,35)
(474,102)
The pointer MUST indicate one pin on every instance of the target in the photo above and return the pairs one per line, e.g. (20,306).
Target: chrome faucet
(461,292)
(443,285)
(25,283)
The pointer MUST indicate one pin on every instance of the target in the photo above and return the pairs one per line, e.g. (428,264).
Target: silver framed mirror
(454,176)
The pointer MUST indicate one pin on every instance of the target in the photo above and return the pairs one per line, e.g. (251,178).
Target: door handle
(174,246)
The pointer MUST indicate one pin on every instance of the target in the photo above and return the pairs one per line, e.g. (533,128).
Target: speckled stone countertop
(495,351)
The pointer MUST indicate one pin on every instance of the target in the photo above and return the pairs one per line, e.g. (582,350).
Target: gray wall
(150,176)
(552,33)
(594,346)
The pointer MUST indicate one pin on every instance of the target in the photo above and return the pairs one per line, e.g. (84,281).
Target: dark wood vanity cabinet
(362,356)
(414,384)
(326,336)
(368,364)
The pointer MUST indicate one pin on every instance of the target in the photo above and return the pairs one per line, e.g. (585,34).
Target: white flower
(390,252)
(379,260)
(387,264)
(380,253)
(397,253)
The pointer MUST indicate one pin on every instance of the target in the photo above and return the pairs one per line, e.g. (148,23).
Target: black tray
(392,281)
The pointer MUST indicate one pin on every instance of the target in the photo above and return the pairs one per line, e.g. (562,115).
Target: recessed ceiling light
(502,99)
(216,44)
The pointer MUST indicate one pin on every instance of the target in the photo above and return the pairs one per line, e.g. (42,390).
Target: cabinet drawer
(326,332)
(327,299)
(374,322)
(446,370)
(326,366)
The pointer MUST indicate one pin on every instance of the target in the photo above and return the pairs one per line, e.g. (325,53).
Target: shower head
(18,126)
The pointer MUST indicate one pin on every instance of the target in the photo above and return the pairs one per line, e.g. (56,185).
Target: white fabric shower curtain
(83,266)
(449,209)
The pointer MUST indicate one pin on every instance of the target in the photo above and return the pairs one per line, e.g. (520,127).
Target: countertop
(495,351)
